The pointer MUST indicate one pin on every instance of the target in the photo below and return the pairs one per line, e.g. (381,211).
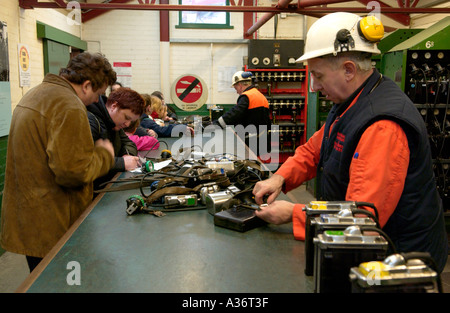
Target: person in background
(107,120)
(154,104)
(116,86)
(157,110)
(171,115)
(373,148)
(51,160)
(141,131)
(143,143)
(252,108)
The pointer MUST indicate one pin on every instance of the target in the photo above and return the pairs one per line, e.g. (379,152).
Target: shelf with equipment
(286,91)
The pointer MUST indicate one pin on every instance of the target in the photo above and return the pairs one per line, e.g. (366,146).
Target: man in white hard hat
(373,147)
(252,109)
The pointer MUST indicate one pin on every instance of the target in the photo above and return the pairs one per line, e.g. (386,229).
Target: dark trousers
(33,262)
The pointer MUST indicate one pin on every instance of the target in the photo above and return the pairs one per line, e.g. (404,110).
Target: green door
(56,56)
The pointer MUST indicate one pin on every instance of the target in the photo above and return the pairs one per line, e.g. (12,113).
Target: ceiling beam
(314,8)
(61,3)
(90,14)
(293,8)
(400,17)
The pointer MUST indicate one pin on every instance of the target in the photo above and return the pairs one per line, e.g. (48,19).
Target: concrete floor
(14,269)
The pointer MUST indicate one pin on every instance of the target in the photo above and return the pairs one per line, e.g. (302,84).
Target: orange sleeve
(302,166)
(299,221)
(379,167)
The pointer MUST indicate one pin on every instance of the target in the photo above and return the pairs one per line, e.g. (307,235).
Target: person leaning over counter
(107,120)
(52,161)
(373,147)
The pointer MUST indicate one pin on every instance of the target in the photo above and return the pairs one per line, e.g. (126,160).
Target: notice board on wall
(124,73)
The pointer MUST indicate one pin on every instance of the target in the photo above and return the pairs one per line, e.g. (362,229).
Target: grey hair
(246,82)
(362,60)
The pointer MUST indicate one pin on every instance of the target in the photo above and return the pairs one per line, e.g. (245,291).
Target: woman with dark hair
(107,120)
(116,86)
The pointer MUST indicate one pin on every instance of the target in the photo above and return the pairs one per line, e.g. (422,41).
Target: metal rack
(286,91)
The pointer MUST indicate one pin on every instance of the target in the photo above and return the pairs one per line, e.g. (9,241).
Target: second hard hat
(240,76)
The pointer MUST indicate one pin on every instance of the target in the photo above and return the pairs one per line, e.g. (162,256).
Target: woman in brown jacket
(52,159)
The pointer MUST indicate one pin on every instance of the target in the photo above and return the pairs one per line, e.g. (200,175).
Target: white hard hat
(240,76)
(342,31)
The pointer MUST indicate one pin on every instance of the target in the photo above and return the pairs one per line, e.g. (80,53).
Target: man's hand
(105,143)
(271,187)
(278,212)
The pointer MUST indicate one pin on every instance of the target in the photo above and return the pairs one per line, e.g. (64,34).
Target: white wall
(22,29)
(128,36)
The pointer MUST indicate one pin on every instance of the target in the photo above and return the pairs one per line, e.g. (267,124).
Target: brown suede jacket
(50,166)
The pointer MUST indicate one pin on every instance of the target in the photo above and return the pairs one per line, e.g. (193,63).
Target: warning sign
(24,58)
(24,66)
(189,92)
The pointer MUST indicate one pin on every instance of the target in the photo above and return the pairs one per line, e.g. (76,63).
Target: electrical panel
(270,54)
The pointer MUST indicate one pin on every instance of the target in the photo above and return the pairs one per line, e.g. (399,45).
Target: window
(204,19)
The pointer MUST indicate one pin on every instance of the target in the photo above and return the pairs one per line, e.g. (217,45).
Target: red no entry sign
(189,92)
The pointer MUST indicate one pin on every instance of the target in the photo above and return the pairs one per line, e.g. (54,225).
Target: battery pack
(312,210)
(317,208)
(181,200)
(220,200)
(398,273)
(337,251)
(339,221)
(238,218)
(225,165)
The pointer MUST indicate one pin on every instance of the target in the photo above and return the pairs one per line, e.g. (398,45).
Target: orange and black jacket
(252,108)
